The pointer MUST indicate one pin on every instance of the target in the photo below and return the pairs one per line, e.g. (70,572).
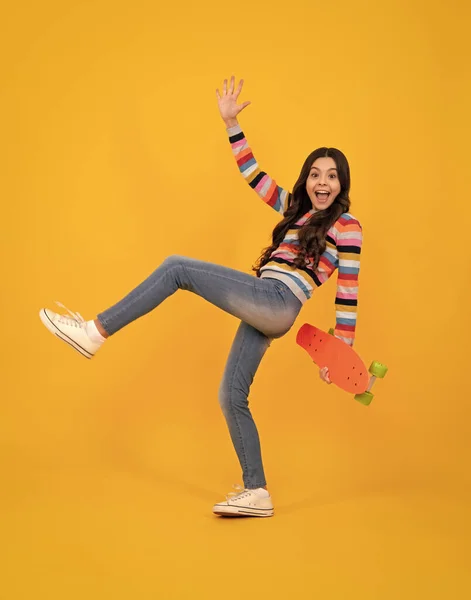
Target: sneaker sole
(242,511)
(62,336)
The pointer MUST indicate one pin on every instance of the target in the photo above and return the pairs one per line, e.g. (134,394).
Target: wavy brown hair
(312,235)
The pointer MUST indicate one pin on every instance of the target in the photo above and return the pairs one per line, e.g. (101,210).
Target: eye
(313,174)
(334,175)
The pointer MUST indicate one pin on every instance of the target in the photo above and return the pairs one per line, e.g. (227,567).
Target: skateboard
(346,368)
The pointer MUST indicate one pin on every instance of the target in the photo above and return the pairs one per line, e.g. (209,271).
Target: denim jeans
(267,309)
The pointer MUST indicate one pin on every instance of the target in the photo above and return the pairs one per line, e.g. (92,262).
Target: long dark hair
(312,235)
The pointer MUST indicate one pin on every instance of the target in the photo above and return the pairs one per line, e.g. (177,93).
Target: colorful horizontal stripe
(265,186)
(343,245)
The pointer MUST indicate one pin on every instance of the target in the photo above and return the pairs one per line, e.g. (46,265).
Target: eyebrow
(331,169)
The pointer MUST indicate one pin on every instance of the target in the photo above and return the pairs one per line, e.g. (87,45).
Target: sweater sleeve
(349,242)
(268,190)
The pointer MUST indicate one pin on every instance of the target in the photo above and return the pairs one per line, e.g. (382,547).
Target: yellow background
(113,156)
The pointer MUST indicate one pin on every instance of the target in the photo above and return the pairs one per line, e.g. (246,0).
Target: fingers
(324,374)
(225,89)
(239,87)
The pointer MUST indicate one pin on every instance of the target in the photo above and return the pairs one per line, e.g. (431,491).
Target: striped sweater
(343,245)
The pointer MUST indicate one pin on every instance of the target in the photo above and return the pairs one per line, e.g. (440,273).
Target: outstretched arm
(267,188)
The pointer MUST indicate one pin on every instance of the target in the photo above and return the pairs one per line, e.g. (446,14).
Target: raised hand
(227,102)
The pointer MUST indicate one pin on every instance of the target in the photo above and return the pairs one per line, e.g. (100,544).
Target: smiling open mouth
(322,196)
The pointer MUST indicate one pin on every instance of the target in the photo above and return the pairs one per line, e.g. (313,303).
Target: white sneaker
(244,503)
(72,330)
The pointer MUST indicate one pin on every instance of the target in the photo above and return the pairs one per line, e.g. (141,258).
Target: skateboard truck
(377,371)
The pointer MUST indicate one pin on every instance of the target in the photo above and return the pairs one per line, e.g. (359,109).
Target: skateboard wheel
(364,398)
(331,331)
(377,369)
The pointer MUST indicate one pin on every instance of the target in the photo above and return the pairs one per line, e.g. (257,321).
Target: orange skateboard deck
(346,369)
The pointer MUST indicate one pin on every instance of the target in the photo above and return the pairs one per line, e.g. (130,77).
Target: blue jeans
(267,309)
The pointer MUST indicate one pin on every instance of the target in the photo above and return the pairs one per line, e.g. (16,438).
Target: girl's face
(323,177)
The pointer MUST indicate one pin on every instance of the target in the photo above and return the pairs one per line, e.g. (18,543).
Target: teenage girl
(315,236)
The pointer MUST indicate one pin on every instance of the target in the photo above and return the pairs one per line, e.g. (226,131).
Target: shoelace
(240,492)
(76,319)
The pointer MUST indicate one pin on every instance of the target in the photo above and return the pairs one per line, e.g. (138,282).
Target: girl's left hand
(324,374)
